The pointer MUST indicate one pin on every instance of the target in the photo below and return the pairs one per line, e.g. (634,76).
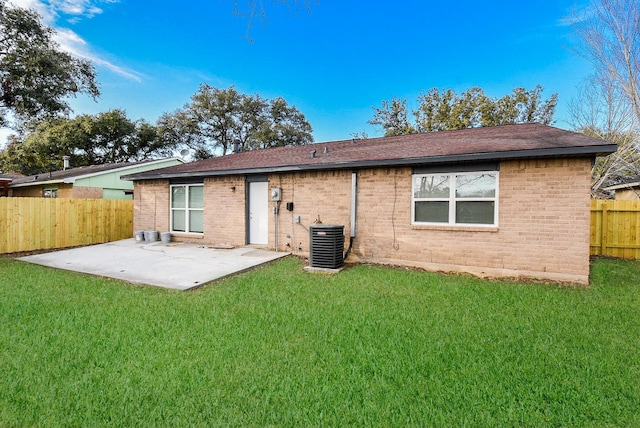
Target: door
(259,213)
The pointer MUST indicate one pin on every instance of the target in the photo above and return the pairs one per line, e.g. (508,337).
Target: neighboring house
(501,201)
(94,181)
(5,180)
(627,190)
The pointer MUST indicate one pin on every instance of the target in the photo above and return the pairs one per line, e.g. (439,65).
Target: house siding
(323,196)
(81,192)
(543,226)
(224,210)
(542,232)
(151,205)
(627,194)
(64,191)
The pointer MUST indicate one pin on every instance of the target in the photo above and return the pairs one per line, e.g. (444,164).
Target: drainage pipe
(354,211)
(276,208)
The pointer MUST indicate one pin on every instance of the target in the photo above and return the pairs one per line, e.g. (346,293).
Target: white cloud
(577,14)
(47,14)
(70,8)
(69,40)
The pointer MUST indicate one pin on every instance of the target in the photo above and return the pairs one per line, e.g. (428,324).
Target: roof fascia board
(35,183)
(629,185)
(474,157)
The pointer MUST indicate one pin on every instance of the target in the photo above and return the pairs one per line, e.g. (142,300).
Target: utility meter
(276,194)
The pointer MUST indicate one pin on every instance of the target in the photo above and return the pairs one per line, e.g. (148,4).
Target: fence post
(605,227)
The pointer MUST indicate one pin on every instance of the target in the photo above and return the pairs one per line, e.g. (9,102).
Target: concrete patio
(179,266)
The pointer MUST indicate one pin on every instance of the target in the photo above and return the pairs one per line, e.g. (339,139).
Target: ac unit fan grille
(326,246)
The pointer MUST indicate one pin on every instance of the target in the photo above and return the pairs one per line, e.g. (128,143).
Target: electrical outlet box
(276,194)
(296,219)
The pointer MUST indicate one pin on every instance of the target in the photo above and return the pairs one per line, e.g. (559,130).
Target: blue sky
(334,62)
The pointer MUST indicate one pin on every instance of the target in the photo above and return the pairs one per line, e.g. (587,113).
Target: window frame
(186,209)
(50,192)
(452,199)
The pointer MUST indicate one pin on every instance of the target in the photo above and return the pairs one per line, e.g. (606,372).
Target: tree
(392,117)
(284,126)
(601,110)
(521,106)
(256,9)
(108,137)
(216,119)
(608,105)
(35,76)
(445,110)
(610,39)
(440,112)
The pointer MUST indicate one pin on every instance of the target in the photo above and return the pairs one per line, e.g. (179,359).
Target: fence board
(614,228)
(28,224)
(38,223)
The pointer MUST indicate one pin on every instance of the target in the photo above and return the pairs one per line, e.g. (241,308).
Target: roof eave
(35,183)
(584,151)
(72,179)
(630,185)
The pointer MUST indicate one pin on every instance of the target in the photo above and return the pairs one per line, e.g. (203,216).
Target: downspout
(276,209)
(354,212)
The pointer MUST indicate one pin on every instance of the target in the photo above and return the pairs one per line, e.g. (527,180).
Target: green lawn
(277,346)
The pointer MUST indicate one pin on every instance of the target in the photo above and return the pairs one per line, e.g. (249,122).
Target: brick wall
(151,205)
(543,228)
(86,192)
(64,191)
(224,210)
(323,195)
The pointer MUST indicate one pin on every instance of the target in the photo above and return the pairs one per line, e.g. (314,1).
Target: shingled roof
(468,145)
(71,174)
(9,177)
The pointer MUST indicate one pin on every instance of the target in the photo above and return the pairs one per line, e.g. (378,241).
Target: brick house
(498,201)
(93,181)
(5,180)
(629,189)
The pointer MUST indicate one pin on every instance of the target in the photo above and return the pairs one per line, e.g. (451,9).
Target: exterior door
(259,213)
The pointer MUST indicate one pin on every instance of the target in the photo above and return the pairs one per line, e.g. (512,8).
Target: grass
(372,346)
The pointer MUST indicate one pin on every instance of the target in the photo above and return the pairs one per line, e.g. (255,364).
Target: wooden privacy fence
(615,228)
(28,224)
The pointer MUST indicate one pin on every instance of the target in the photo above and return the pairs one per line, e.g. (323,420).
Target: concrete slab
(179,266)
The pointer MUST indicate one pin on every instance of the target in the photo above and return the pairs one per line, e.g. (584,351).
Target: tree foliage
(609,33)
(35,76)
(393,117)
(108,137)
(215,119)
(446,110)
(608,104)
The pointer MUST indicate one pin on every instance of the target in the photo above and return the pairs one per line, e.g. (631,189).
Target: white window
(50,193)
(467,198)
(187,208)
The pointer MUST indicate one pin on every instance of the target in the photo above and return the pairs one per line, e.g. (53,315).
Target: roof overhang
(564,152)
(629,185)
(73,179)
(35,183)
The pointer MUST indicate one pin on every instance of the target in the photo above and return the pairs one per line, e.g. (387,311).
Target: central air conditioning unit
(326,246)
